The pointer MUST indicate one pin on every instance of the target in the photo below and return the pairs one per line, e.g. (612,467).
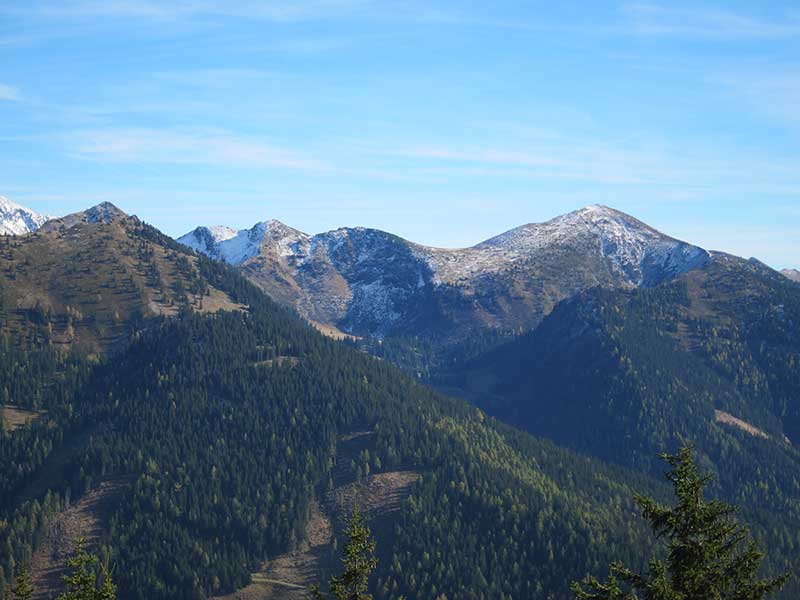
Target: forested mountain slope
(712,357)
(223,427)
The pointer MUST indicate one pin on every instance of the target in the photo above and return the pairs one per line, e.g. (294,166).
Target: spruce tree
(81,582)
(108,589)
(359,562)
(23,587)
(710,556)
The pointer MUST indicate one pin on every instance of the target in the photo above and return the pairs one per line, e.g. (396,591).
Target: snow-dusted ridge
(237,246)
(620,236)
(367,280)
(641,254)
(16,219)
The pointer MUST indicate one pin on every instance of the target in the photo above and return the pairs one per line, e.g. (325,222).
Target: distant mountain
(792,274)
(371,283)
(18,220)
(227,244)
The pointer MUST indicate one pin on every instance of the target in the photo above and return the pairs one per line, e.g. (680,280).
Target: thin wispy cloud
(775,95)
(547,160)
(668,20)
(632,103)
(9,93)
(637,18)
(675,174)
(268,10)
(187,147)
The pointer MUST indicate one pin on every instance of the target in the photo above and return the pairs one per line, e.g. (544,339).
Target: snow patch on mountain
(237,246)
(792,274)
(18,220)
(286,241)
(640,253)
(206,240)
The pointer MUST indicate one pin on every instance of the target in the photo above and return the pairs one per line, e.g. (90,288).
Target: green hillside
(712,358)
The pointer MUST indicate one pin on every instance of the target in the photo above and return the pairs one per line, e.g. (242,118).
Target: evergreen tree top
(710,556)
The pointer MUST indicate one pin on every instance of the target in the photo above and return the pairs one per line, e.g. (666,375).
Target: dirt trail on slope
(86,519)
(380,496)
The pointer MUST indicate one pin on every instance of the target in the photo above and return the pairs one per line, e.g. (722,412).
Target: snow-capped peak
(220,233)
(367,280)
(596,219)
(643,255)
(237,246)
(207,239)
(18,220)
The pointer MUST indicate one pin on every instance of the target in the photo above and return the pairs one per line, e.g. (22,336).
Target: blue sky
(445,123)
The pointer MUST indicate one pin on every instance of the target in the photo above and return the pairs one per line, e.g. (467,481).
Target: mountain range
(174,381)
(370,283)
(367,282)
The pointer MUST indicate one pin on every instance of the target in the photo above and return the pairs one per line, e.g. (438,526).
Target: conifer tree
(710,556)
(359,562)
(108,589)
(81,582)
(23,587)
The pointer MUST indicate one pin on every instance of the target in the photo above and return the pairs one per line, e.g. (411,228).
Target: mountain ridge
(370,282)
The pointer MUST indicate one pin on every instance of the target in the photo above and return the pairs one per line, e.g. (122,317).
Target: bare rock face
(369,282)
(792,274)
(100,214)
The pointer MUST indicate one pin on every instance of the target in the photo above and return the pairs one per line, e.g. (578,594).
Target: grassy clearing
(332,332)
(14,417)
